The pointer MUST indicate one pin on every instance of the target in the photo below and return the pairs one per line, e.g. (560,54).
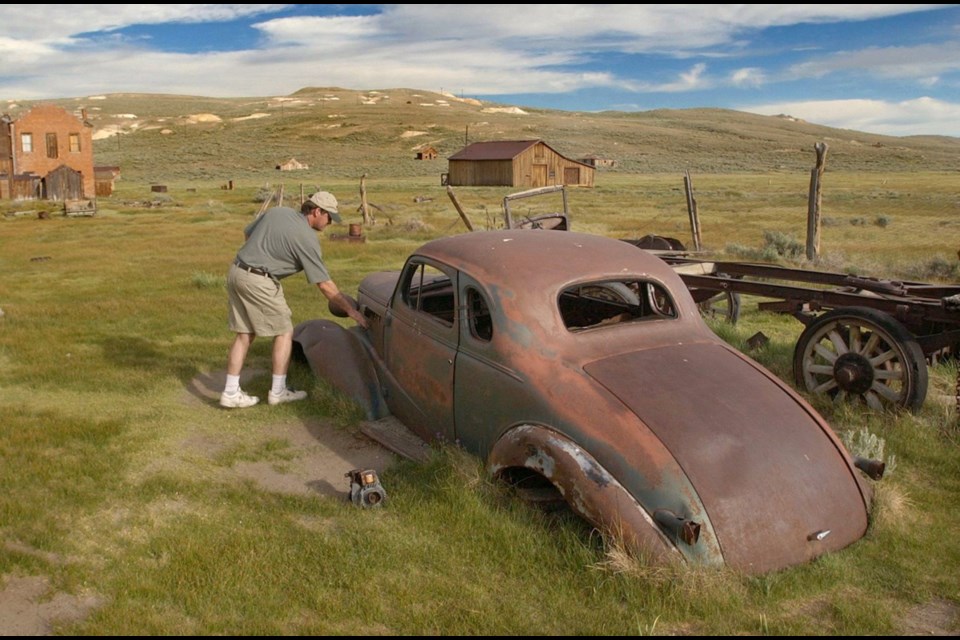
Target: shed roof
(494,150)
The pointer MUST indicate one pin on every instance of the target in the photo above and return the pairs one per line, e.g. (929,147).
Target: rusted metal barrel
(356,230)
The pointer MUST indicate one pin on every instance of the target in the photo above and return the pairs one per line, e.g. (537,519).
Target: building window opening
(52,150)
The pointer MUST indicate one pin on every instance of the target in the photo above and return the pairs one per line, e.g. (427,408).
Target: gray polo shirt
(282,243)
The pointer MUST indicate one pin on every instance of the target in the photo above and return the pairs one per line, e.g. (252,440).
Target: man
(279,243)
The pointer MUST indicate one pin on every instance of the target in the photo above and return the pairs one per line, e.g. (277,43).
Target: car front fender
(342,357)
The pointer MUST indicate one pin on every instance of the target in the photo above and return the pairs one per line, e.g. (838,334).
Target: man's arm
(332,293)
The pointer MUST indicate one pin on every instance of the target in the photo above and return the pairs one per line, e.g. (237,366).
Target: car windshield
(597,304)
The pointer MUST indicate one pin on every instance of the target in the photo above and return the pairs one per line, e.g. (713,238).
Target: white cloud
(920,61)
(61,22)
(18,53)
(496,49)
(644,27)
(910,117)
(748,77)
(688,81)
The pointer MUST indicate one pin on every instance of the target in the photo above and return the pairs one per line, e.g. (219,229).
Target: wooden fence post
(456,204)
(364,209)
(813,204)
(692,210)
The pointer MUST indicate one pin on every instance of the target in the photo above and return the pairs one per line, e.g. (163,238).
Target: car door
(490,392)
(420,347)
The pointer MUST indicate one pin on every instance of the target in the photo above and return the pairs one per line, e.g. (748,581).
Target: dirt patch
(315,460)
(27,608)
(319,458)
(937,618)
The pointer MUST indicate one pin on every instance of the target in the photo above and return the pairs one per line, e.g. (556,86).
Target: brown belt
(254,270)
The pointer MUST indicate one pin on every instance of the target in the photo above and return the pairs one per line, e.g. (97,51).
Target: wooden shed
(515,163)
(106,177)
(64,183)
(597,161)
(427,153)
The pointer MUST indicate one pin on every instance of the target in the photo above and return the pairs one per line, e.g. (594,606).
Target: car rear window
(609,302)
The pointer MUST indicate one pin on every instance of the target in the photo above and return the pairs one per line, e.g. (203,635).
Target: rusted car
(579,364)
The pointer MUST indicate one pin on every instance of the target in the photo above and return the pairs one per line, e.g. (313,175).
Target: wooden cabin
(598,162)
(427,153)
(105,179)
(515,163)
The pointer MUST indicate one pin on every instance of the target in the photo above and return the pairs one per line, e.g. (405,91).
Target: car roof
(546,259)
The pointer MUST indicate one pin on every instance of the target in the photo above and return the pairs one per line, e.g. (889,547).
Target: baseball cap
(327,202)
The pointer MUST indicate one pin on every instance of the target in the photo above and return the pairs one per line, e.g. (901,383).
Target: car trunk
(777,485)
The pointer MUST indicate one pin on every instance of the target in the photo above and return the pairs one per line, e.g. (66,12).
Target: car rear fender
(593,493)
(342,357)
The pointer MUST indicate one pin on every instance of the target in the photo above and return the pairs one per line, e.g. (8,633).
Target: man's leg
(233,397)
(282,350)
(238,353)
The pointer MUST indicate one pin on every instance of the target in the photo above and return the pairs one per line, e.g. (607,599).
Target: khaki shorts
(256,304)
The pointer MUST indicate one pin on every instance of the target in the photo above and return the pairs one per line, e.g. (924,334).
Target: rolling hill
(344,133)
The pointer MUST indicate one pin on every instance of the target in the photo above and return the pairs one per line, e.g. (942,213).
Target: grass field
(113,497)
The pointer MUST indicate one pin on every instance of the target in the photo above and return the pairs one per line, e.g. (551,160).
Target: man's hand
(348,306)
(361,321)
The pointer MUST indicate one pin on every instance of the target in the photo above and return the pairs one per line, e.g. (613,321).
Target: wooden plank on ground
(79,207)
(394,435)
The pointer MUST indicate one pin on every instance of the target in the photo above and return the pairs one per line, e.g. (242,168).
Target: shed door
(64,183)
(538,175)
(571,175)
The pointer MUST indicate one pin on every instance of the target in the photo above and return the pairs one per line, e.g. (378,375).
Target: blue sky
(892,69)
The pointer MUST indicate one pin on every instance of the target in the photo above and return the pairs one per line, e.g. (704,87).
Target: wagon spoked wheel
(858,353)
(725,305)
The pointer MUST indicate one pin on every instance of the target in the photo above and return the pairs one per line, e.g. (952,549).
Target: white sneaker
(287,395)
(238,400)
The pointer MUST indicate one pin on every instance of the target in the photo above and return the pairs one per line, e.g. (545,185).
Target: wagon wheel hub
(853,373)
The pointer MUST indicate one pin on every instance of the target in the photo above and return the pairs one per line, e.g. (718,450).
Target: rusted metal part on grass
(682,529)
(873,468)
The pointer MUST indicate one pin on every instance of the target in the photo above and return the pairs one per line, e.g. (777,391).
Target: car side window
(427,289)
(478,315)
(596,304)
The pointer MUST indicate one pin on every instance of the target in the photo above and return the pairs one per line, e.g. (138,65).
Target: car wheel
(536,490)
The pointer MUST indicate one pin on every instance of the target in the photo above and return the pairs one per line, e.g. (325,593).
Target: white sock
(279,383)
(233,385)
